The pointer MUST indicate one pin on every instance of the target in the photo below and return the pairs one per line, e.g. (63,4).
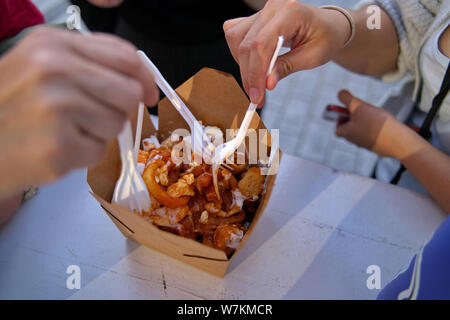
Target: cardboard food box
(216,99)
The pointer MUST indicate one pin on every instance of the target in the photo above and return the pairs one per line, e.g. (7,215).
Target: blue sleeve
(428,275)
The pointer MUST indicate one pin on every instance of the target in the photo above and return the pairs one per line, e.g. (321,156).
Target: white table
(320,232)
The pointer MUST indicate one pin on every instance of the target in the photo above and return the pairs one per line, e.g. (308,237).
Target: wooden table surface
(320,232)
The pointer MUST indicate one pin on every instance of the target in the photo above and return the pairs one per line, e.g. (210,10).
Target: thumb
(228,24)
(303,57)
(284,66)
(350,101)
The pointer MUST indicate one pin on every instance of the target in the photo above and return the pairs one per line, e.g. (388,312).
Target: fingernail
(272,80)
(254,95)
(276,74)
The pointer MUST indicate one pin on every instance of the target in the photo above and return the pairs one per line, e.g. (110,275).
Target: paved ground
(296,105)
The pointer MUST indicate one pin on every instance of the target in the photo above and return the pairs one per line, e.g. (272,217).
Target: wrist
(341,21)
(401,140)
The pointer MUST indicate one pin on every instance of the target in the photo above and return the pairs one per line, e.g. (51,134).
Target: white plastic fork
(130,190)
(137,137)
(223,151)
(200,142)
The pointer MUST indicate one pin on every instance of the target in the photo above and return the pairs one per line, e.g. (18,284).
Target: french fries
(251,184)
(157,191)
(184,200)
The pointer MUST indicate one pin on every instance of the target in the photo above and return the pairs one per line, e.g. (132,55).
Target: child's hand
(369,127)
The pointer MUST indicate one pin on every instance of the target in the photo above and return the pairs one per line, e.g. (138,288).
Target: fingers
(365,124)
(235,31)
(351,102)
(343,127)
(235,35)
(97,120)
(110,88)
(68,149)
(92,151)
(262,103)
(345,97)
(99,93)
(227,25)
(302,57)
(252,42)
(118,55)
(72,97)
(78,150)
(284,66)
(67,103)
(255,53)
(258,63)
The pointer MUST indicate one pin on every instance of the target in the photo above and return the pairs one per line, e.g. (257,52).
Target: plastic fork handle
(168,90)
(244,125)
(137,136)
(176,101)
(252,107)
(124,139)
(275,55)
(124,144)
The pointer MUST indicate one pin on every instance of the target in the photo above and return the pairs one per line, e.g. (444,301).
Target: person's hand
(63,96)
(369,127)
(315,36)
(106,3)
(9,205)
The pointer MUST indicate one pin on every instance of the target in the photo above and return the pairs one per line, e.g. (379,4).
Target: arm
(429,166)
(372,52)
(377,130)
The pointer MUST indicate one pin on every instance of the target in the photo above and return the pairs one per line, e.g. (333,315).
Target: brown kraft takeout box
(216,99)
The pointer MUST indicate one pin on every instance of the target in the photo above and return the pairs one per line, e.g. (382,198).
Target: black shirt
(182,21)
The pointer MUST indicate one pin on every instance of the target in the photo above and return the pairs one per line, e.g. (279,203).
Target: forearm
(372,51)
(427,164)
(431,168)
